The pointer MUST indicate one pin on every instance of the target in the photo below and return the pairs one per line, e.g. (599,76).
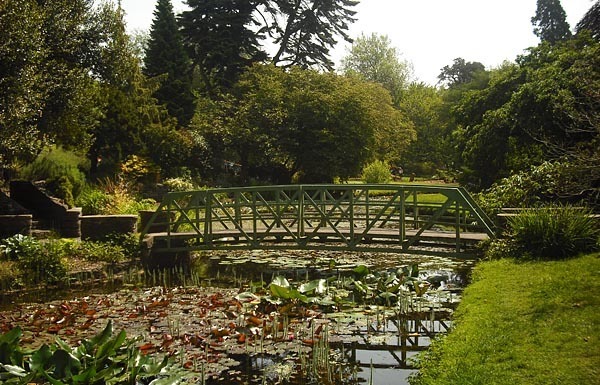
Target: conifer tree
(591,21)
(166,58)
(550,21)
(221,41)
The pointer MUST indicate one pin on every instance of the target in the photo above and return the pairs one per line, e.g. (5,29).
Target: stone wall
(99,227)
(15,224)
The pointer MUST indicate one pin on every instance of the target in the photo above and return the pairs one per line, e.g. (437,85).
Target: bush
(553,232)
(100,252)
(39,262)
(62,170)
(376,172)
(112,197)
(179,184)
(93,201)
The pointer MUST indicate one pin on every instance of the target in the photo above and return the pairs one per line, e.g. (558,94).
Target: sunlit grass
(524,323)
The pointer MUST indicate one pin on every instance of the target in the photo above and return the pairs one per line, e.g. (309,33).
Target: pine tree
(221,41)
(591,21)
(550,21)
(166,58)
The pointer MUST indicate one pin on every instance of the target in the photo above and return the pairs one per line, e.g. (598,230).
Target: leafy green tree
(550,21)
(422,105)
(166,57)
(305,31)
(72,37)
(544,108)
(376,60)
(460,72)
(22,91)
(313,125)
(591,21)
(49,57)
(221,41)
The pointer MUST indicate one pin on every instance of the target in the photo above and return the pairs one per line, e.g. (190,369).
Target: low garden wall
(99,227)
(15,224)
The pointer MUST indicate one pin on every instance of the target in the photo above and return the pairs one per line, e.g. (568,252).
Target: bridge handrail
(270,206)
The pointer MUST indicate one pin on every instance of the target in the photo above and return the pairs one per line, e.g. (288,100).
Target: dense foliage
(553,232)
(166,58)
(314,126)
(211,104)
(101,359)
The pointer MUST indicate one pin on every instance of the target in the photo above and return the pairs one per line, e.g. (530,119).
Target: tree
(422,105)
(166,58)
(591,21)
(224,37)
(313,125)
(374,58)
(460,72)
(305,31)
(550,21)
(22,92)
(48,56)
(543,109)
(221,41)
(133,122)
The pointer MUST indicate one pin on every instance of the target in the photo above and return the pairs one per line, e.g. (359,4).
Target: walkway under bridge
(414,219)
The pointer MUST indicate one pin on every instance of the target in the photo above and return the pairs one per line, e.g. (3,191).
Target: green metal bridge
(414,219)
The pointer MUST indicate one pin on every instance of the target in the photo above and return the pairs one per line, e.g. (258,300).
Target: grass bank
(523,323)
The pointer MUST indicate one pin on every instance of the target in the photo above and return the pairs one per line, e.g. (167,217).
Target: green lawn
(524,323)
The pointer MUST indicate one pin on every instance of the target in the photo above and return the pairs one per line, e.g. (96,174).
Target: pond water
(267,317)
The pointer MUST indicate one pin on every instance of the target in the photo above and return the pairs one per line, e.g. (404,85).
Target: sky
(429,34)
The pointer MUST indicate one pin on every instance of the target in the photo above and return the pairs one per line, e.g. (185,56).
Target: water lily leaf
(319,286)
(172,380)
(280,281)
(287,293)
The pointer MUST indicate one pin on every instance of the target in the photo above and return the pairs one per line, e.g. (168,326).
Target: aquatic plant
(103,359)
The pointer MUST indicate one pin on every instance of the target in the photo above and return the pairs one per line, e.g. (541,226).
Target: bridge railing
(355,217)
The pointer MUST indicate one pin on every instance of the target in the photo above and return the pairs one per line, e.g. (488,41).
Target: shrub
(9,275)
(112,197)
(93,201)
(39,262)
(553,232)
(62,170)
(376,172)
(179,184)
(100,252)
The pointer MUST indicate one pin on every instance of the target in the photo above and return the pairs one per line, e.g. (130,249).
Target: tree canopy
(591,21)
(550,21)
(460,72)
(166,58)
(542,108)
(314,126)
(376,60)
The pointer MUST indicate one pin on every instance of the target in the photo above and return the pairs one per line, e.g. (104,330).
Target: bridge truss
(355,217)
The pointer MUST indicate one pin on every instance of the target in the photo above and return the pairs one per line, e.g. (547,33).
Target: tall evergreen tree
(221,40)
(166,57)
(550,21)
(591,21)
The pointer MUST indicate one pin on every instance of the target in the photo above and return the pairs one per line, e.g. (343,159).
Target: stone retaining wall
(15,224)
(99,227)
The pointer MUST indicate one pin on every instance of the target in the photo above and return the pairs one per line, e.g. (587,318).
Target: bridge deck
(327,217)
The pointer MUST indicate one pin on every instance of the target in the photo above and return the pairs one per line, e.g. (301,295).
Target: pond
(263,317)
